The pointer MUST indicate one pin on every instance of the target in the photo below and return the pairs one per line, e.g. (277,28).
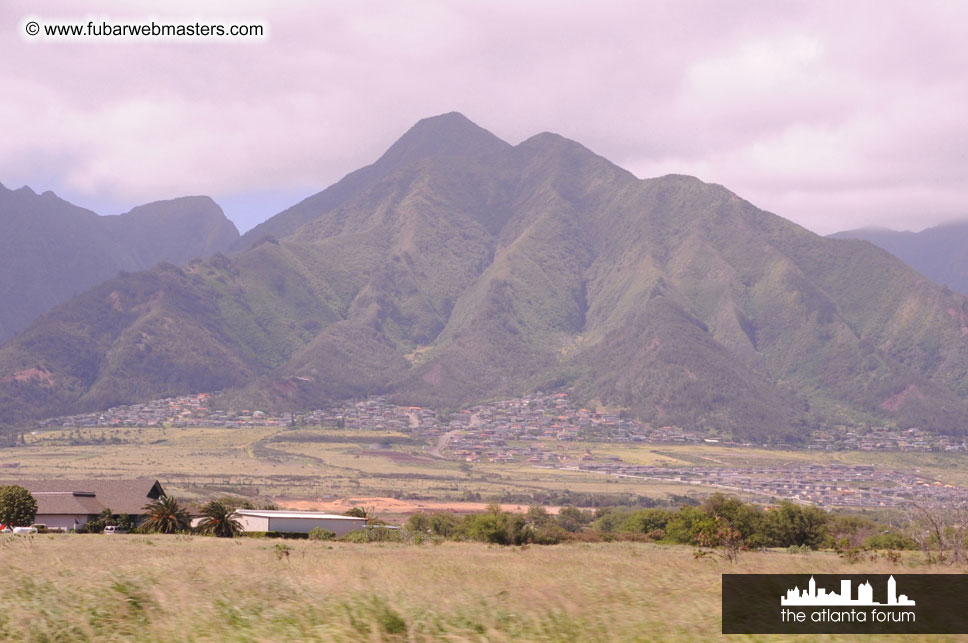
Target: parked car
(111,529)
(25,530)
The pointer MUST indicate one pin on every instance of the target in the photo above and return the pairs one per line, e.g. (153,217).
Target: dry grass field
(180,588)
(176,588)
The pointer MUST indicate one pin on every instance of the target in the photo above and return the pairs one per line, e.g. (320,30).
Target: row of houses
(71,504)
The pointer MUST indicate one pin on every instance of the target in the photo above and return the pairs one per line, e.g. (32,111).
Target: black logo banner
(845,604)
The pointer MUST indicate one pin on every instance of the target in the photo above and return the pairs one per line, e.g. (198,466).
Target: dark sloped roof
(120,496)
(66,502)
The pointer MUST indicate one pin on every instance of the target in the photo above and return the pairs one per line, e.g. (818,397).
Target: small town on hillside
(485,426)
(532,430)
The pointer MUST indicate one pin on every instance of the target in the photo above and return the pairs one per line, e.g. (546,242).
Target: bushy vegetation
(319,533)
(720,522)
(109,518)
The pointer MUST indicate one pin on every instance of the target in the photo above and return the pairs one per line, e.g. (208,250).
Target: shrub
(374,535)
(438,524)
(497,527)
(573,519)
(889,540)
(319,533)
(549,534)
(646,521)
(610,519)
(392,622)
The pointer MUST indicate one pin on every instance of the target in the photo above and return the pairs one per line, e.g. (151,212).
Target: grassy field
(176,588)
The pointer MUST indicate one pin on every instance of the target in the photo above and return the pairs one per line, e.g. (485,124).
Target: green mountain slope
(465,269)
(51,250)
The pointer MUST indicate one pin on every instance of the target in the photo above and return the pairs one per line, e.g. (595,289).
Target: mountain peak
(450,134)
(550,142)
(196,204)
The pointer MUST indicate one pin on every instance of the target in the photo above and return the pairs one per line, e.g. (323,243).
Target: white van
(25,530)
(111,529)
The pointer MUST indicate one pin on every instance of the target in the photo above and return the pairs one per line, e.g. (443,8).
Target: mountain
(447,135)
(460,268)
(51,250)
(940,253)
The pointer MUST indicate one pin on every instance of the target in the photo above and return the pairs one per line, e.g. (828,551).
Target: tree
(17,507)
(940,532)
(745,518)
(646,521)
(218,520)
(573,519)
(722,534)
(790,525)
(498,527)
(687,524)
(362,512)
(538,516)
(438,523)
(166,516)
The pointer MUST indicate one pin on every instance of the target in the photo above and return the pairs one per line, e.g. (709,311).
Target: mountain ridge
(448,279)
(937,252)
(52,249)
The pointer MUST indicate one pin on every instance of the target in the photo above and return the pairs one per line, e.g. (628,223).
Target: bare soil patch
(384,505)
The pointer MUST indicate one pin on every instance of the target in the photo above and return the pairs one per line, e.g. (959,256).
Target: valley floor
(397,473)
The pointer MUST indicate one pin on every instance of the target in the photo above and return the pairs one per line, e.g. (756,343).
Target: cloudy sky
(833,114)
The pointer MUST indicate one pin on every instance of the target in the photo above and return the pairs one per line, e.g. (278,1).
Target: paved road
(442,443)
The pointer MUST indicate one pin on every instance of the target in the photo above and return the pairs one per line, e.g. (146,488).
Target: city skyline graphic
(814,596)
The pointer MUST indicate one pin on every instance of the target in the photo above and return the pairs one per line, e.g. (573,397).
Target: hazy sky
(833,114)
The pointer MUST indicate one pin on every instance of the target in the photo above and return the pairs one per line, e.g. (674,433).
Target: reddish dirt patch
(432,376)
(896,401)
(30,374)
(115,299)
(382,505)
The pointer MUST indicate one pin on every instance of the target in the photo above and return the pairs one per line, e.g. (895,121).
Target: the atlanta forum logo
(846,603)
(890,611)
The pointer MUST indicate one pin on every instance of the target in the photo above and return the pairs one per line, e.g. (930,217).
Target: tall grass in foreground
(177,588)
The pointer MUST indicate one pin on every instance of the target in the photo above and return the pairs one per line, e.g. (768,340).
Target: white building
(296,522)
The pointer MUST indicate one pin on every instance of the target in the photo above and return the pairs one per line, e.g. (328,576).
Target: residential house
(68,504)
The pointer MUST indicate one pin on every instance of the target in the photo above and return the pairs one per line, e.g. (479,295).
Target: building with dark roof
(68,504)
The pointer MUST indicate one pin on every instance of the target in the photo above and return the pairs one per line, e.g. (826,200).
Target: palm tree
(219,520)
(166,516)
(360,512)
